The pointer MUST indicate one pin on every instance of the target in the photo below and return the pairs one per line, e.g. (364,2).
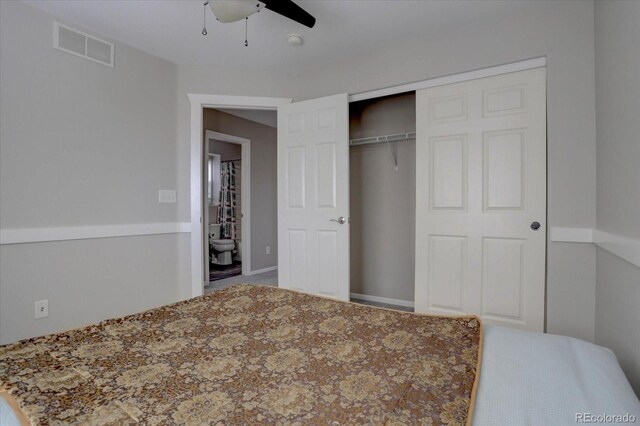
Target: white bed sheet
(542,379)
(533,379)
(7,416)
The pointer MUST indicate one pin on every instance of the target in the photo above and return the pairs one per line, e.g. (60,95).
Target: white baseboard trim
(571,235)
(626,248)
(39,235)
(262,271)
(387,300)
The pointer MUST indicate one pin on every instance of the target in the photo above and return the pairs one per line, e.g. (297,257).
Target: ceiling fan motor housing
(234,10)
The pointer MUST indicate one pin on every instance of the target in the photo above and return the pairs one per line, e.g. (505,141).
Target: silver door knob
(341,220)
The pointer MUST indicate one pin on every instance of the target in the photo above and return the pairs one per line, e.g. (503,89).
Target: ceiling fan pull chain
(204,18)
(246,30)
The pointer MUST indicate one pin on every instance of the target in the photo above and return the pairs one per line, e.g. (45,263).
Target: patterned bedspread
(250,355)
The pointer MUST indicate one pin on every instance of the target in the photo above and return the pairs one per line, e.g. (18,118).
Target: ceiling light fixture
(234,10)
(295,39)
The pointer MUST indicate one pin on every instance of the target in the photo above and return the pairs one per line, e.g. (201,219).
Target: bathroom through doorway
(233,248)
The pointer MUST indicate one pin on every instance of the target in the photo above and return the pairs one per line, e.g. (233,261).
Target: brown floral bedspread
(250,355)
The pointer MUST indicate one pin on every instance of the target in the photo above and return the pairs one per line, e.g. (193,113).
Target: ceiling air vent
(82,44)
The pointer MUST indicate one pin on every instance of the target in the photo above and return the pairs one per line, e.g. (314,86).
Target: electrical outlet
(42,309)
(167,196)
(268,250)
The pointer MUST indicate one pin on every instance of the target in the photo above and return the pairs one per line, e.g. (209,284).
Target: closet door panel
(502,279)
(481,179)
(447,272)
(446,109)
(503,164)
(448,164)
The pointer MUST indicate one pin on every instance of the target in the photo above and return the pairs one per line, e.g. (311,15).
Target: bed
(542,379)
(252,354)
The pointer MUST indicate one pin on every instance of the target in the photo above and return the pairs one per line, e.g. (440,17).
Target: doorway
(239,197)
(199,103)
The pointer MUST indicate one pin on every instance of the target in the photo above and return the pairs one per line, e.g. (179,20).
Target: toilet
(222,249)
(238,255)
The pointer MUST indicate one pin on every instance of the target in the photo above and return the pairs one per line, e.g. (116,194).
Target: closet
(433,198)
(382,187)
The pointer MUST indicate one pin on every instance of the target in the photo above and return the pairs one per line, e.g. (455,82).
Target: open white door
(313,196)
(481,199)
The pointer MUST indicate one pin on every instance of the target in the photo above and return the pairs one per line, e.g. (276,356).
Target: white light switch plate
(167,196)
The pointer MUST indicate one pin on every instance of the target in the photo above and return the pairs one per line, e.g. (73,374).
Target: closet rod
(399,137)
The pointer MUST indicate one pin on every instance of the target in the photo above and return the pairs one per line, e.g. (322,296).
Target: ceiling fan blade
(289,9)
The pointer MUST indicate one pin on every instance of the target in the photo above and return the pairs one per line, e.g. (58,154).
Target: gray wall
(85,281)
(226,150)
(617,312)
(563,31)
(383,116)
(82,144)
(264,209)
(618,191)
(382,200)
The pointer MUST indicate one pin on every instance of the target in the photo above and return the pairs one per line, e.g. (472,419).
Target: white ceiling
(171,29)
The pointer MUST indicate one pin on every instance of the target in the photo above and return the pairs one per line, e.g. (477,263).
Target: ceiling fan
(235,10)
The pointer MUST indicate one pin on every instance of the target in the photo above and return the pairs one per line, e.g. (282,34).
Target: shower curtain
(227,207)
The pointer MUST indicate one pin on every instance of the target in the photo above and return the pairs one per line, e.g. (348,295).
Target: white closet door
(313,196)
(480,189)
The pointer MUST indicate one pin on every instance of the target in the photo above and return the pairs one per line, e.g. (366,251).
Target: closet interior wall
(382,199)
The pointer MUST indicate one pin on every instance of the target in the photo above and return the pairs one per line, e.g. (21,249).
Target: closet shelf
(399,137)
(388,139)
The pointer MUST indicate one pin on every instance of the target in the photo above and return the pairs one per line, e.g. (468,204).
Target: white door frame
(198,103)
(452,78)
(245,196)
(205,211)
